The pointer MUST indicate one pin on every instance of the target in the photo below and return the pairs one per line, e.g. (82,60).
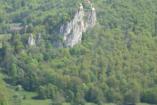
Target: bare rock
(31,40)
(73,30)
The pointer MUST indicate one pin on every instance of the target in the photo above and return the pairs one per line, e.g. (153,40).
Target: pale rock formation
(31,40)
(74,29)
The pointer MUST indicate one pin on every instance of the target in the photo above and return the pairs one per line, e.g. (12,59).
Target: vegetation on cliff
(114,63)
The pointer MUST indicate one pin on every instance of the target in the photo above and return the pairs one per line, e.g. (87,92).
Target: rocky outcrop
(31,40)
(73,30)
(34,40)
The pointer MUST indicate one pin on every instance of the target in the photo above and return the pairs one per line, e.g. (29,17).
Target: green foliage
(115,63)
(4,95)
(94,95)
(149,96)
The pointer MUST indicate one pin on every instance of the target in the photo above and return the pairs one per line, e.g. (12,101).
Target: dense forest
(116,61)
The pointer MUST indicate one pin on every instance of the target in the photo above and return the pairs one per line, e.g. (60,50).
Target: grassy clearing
(35,102)
(28,95)
(5,37)
(29,99)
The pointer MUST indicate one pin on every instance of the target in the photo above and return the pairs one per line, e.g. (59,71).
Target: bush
(150,96)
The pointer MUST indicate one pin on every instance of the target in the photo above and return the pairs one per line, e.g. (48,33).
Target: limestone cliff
(31,40)
(72,31)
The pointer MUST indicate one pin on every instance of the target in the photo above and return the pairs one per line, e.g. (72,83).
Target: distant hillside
(112,62)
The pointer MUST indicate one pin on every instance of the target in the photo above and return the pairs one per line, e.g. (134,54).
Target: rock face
(73,30)
(31,40)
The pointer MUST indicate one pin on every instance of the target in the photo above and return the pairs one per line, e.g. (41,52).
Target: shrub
(150,96)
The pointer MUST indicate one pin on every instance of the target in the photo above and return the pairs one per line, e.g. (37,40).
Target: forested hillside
(115,61)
